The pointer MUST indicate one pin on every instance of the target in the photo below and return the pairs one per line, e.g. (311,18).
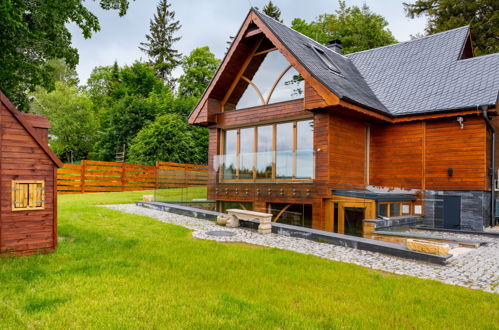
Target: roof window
(326,60)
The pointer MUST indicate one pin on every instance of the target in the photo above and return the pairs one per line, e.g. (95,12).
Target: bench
(265,219)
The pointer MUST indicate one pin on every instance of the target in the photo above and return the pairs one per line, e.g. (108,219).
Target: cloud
(206,23)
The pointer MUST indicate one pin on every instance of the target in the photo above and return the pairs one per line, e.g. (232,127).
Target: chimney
(335,45)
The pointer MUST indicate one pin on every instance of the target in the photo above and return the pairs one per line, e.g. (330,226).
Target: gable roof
(349,85)
(29,127)
(427,75)
(415,77)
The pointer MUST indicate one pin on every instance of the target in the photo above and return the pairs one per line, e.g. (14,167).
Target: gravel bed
(472,268)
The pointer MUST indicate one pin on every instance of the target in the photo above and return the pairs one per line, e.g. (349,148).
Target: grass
(115,270)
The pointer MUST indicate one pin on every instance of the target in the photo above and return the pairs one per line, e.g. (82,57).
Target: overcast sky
(207,23)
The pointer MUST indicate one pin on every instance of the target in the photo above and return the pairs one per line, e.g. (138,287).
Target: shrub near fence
(97,176)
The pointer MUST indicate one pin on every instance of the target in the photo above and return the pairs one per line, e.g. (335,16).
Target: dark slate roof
(419,76)
(350,85)
(426,75)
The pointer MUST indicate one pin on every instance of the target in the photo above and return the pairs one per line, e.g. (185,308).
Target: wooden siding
(495,124)
(22,159)
(312,99)
(268,113)
(396,155)
(213,148)
(347,140)
(463,150)
(417,155)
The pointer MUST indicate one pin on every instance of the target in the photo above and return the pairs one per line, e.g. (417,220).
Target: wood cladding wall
(23,159)
(347,152)
(312,99)
(418,155)
(267,113)
(410,155)
(396,155)
(463,150)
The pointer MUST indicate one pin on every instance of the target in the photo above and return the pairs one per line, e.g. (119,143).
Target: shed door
(452,212)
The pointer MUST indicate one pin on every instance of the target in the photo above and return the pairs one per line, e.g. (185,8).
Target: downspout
(491,170)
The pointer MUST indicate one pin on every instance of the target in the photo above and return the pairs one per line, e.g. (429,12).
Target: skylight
(326,60)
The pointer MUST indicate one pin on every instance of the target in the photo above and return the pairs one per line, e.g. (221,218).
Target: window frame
(402,203)
(240,76)
(274,177)
(40,185)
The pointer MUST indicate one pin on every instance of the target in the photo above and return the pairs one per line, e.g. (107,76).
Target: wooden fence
(96,176)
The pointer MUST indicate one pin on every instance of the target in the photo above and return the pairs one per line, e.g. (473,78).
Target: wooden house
(325,140)
(28,213)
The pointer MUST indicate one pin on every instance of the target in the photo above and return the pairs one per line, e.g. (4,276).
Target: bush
(168,138)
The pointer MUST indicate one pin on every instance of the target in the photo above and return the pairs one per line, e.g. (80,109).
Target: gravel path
(473,268)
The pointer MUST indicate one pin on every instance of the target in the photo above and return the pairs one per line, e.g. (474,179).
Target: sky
(207,23)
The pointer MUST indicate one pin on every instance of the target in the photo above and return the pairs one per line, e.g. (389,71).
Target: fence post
(156,175)
(123,178)
(82,176)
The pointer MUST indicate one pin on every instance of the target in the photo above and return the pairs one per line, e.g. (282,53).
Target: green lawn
(115,270)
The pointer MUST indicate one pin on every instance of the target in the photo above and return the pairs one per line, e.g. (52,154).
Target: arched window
(268,78)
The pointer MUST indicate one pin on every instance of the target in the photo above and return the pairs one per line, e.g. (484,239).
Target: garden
(116,270)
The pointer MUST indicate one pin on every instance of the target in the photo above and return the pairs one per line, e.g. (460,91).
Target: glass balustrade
(267,166)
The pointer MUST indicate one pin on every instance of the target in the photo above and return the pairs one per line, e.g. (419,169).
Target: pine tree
(273,11)
(159,46)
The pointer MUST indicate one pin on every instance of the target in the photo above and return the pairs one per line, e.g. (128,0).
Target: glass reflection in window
(246,154)
(305,149)
(273,80)
(264,149)
(289,87)
(284,150)
(394,209)
(230,162)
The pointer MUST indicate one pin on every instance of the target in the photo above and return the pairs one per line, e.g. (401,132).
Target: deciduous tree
(168,138)
(72,120)
(199,67)
(481,15)
(358,28)
(33,32)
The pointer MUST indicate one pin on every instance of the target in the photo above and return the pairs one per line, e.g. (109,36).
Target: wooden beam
(364,111)
(265,51)
(252,33)
(240,73)
(193,116)
(260,96)
(438,115)
(328,96)
(281,212)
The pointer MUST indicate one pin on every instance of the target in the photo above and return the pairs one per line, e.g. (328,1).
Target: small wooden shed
(28,212)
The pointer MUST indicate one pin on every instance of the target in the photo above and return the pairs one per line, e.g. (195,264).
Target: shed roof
(37,121)
(374,195)
(25,121)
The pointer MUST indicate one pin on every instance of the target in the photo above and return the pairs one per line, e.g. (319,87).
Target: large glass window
(230,161)
(264,152)
(268,78)
(282,151)
(304,149)
(247,153)
(395,209)
(291,214)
